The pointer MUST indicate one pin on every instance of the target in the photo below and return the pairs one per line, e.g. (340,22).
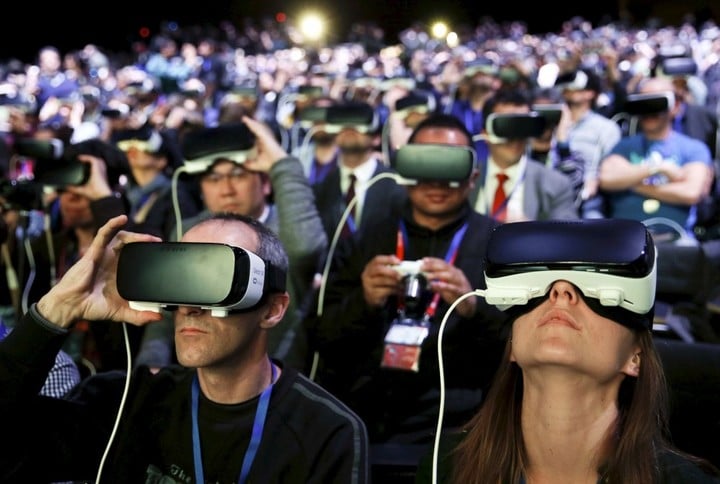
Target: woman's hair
(492,450)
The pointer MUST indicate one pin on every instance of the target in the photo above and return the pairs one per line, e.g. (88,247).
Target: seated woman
(582,396)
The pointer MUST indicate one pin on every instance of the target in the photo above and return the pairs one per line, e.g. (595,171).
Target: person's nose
(563,290)
(189,310)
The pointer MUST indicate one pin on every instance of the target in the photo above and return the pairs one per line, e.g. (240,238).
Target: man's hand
(380,280)
(269,150)
(451,283)
(88,289)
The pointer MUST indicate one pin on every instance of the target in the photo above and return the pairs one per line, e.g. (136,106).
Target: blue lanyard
(258,425)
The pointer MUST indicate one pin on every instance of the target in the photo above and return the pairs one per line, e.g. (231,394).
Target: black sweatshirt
(309,435)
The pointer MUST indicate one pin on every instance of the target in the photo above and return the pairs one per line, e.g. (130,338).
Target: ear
(632,365)
(274,310)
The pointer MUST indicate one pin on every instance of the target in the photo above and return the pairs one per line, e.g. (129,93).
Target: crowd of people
(373,173)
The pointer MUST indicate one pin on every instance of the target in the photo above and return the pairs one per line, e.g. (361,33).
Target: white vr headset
(610,260)
(217,277)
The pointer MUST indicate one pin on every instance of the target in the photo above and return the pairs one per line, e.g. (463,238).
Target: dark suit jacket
(330,202)
(350,334)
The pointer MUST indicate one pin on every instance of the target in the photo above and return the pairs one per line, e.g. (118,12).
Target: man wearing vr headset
(581,395)
(532,190)
(243,169)
(658,172)
(592,133)
(376,340)
(230,413)
(356,125)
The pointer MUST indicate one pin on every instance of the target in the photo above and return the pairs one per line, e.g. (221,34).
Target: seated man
(229,413)
(512,186)
(242,169)
(657,173)
(377,326)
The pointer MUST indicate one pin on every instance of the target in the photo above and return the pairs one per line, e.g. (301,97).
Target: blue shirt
(677,148)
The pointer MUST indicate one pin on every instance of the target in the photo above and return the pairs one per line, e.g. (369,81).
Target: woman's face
(564,333)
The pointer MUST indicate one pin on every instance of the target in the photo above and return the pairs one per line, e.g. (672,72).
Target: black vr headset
(648,104)
(416,101)
(435,162)
(310,116)
(202,147)
(218,277)
(359,116)
(551,112)
(308,91)
(53,166)
(611,261)
(676,66)
(502,127)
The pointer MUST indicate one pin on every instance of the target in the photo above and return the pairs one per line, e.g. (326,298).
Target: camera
(414,295)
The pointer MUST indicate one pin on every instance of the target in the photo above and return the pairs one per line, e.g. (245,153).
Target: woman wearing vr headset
(582,396)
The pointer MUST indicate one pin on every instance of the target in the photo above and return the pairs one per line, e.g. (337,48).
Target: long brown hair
(492,450)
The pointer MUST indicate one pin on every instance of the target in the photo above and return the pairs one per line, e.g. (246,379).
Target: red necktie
(499,209)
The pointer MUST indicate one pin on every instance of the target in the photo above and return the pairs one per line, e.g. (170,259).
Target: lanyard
(402,242)
(258,425)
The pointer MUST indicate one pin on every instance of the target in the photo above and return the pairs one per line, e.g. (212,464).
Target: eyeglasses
(234,175)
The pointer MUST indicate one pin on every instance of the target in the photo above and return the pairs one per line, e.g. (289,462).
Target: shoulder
(313,404)
(676,467)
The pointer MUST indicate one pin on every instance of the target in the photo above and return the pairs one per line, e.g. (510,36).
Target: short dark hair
(441,120)
(515,97)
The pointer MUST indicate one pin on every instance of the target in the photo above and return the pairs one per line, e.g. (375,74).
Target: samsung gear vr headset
(611,261)
(218,277)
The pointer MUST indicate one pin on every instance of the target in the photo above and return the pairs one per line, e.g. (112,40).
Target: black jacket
(350,335)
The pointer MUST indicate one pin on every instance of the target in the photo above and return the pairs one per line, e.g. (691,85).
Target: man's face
(202,340)
(75,210)
(228,187)
(355,147)
(509,152)
(438,198)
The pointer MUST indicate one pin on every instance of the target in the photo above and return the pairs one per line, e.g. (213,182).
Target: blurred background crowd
(132,109)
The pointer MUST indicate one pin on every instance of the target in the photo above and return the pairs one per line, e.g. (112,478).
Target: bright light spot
(547,74)
(452,39)
(312,26)
(439,30)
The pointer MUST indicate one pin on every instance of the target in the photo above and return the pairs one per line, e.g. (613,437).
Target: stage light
(312,26)
(439,30)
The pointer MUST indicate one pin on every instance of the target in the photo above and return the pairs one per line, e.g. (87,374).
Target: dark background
(113,26)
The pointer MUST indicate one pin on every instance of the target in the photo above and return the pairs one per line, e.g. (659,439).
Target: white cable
(338,230)
(51,249)
(441,371)
(333,244)
(31,275)
(175,201)
(122,403)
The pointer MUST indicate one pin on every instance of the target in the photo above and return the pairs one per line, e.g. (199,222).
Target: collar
(362,173)
(513,171)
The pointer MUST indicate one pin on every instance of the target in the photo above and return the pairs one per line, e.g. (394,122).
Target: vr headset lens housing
(218,277)
(648,104)
(435,162)
(202,147)
(502,127)
(361,117)
(551,113)
(611,261)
